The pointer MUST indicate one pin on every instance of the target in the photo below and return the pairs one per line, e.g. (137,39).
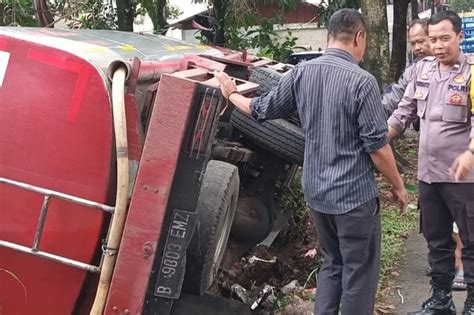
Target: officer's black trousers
(350,244)
(441,204)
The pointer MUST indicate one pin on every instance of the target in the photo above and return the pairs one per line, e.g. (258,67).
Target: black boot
(441,302)
(469,304)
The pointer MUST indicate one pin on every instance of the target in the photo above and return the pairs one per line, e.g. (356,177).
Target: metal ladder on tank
(35,250)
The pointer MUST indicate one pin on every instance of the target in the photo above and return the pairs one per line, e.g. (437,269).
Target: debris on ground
(311,253)
(254,258)
(240,292)
(298,306)
(293,286)
(264,293)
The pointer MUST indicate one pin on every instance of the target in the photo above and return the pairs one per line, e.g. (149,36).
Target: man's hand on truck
(230,92)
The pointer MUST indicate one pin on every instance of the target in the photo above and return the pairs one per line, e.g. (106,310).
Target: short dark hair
(422,22)
(451,16)
(344,25)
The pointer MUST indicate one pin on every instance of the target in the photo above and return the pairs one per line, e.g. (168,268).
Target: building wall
(309,35)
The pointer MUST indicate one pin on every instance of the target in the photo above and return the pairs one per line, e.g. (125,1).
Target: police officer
(420,47)
(439,95)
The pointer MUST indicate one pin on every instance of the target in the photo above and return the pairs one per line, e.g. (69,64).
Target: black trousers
(441,204)
(350,245)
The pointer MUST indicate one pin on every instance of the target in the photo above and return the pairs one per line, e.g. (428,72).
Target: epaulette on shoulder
(470,59)
(428,58)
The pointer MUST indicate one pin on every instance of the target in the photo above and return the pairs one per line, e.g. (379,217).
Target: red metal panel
(83,72)
(39,145)
(150,197)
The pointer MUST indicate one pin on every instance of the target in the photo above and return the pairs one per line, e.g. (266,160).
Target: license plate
(173,262)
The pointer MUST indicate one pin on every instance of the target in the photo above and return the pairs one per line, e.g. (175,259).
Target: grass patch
(282,302)
(395,230)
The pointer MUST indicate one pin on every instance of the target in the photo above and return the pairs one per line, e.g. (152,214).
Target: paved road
(414,284)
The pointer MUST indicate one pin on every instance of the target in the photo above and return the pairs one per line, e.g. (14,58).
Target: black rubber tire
(279,136)
(216,209)
(266,78)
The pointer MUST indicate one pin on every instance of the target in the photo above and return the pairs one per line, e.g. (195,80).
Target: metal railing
(35,249)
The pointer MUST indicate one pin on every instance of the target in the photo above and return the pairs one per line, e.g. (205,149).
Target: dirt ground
(286,262)
(244,280)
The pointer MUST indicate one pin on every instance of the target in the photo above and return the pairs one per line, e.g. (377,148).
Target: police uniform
(442,102)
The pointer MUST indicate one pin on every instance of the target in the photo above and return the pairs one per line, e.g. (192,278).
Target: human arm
(372,132)
(464,163)
(391,99)
(385,162)
(229,91)
(405,111)
(278,103)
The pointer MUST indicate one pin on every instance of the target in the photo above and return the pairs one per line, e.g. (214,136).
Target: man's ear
(358,38)
(461,36)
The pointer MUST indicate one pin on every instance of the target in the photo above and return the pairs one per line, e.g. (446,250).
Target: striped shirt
(339,105)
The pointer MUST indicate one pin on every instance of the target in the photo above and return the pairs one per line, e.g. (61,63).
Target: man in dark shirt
(345,135)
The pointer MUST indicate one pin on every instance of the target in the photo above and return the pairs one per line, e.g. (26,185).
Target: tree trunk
(125,15)
(43,16)
(160,22)
(414,9)
(2,15)
(376,55)
(220,7)
(399,39)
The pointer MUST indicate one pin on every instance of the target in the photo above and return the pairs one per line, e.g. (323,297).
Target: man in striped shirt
(345,135)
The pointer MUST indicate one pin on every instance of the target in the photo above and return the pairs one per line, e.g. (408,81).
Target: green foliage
(282,302)
(91,14)
(462,5)
(395,230)
(94,15)
(150,7)
(334,5)
(293,200)
(17,13)
(263,36)
(245,29)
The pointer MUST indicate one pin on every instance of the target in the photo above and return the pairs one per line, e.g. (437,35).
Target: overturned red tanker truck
(123,172)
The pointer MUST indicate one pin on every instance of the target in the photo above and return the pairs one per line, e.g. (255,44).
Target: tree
(160,16)
(399,38)
(334,5)
(237,25)
(376,56)
(462,5)
(126,11)
(17,13)
(159,11)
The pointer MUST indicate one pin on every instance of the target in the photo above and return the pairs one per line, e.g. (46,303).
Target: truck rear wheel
(215,208)
(280,136)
